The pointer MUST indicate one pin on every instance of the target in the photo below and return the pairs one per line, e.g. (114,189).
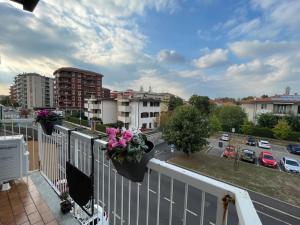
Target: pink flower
(112,132)
(127,135)
(122,143)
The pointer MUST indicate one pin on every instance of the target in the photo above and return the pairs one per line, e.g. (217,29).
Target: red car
(229,152)
(266,158)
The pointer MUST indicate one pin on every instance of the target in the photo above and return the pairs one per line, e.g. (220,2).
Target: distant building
(280,105)
(73,85)
(105,93)
(101,108)
(13,93)
(31,90)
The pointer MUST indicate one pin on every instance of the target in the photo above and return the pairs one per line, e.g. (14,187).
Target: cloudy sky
(207,47)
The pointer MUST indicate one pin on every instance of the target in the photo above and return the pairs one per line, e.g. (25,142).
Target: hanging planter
(47,120)
(134,170)
(130,152)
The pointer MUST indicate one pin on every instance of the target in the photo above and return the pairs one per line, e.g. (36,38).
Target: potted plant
(129,151)
(65,205)
(48,119)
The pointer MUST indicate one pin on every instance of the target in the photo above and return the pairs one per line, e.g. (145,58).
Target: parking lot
(277,150)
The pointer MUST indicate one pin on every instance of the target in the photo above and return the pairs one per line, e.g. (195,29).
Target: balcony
(168,194)
(123,108)
(124,119)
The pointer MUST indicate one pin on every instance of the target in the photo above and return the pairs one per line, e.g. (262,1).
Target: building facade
(279,105)
(73,85)
(101,108)
(31,90)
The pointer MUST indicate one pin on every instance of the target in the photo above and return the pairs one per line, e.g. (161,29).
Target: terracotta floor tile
(30,209)
(52,223)
(17,209)
(43,208)
(34,218)
(47,217)
(21,219)
(26,223)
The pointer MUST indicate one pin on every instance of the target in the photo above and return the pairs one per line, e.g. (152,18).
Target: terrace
(167,195)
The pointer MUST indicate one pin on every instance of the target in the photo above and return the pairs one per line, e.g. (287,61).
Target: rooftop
(72,69)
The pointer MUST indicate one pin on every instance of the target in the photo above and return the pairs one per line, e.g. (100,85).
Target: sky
(215,48)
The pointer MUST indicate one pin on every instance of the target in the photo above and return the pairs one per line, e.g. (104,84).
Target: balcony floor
(32,202)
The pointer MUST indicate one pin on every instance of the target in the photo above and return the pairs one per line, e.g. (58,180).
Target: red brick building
(105,93)
(72,86)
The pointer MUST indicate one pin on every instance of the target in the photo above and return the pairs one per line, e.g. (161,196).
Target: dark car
(292,148)
(251,141)
(248,156)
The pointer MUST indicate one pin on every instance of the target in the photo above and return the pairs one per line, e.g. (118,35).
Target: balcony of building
(167,195)
(124,108)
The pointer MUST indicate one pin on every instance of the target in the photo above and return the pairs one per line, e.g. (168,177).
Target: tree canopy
(231,116)
(267,120)
(200,102)
(282,129)
(187,129)
(175,102)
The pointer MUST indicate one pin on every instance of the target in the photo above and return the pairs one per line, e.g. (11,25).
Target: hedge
(262,132)
(294,136)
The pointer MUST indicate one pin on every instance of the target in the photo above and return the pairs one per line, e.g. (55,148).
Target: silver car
(290,165)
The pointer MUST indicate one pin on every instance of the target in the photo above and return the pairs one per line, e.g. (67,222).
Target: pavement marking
(277,210)
(152,191)
(169,200)
(191,212)
(273,217)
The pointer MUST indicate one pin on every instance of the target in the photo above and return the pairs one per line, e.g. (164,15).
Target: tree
(247,127)
(187,129)
(214,124)
(267,120)
(6,101)
(231,116)
(247,98)
(175,102)
(200,102)
(293,121)
(264,96)
(282,129)
(163,119)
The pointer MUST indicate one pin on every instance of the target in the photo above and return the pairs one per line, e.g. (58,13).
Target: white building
(133,112)
(34,90)
(279,105)
(101,108)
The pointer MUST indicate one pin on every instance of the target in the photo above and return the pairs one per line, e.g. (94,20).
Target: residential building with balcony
(73,85)
(279,105)
(13,93)
(101,108)
(32,90)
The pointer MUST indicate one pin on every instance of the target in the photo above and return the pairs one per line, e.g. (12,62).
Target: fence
(168,194)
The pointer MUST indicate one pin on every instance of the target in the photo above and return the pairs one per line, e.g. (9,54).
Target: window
(150,125)
(156,114)
(156,104)
(263,106)
(298,109)
(151,114)
(144,125)
(125,103)
(144,115)
(145,104)
(151,104)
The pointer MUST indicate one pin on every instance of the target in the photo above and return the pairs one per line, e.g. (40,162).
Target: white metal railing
(27,128)
(168,195)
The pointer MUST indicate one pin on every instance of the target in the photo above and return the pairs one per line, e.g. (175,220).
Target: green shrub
(293,136)
(262,132)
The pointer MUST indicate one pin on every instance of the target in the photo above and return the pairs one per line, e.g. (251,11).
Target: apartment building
(280,105)
(32,90)
(133,112)
(73,85)
(101,108)
(13,93)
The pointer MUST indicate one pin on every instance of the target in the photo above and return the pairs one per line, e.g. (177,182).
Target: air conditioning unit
(13,158)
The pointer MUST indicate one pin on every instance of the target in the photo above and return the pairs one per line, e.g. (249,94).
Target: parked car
(229,152)
(251,141)
(248,156)
(264,144)
(225,137)
(292,148)
(290,165)
(266,158)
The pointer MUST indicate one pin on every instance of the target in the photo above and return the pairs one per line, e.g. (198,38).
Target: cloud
(157,82)
(215,58)
(170,56)
(257,48)
(245,29)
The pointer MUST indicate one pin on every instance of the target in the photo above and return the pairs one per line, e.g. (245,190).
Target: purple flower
(122,143)
(112,132)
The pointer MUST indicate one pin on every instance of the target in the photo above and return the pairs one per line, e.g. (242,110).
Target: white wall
(109,111)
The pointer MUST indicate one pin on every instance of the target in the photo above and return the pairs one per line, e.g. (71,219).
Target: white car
(290,165)
(225,137)
(264,144)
